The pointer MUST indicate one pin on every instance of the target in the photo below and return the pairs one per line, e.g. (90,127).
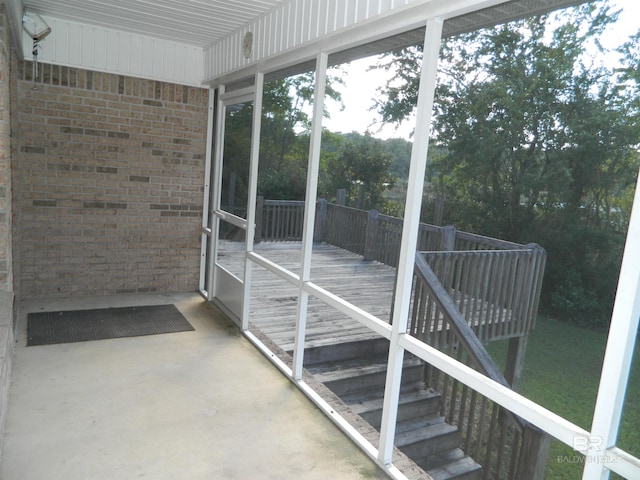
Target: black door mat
(47,328)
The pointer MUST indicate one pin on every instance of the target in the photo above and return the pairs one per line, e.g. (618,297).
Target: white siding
(298,29)
(300,22)
(106,50)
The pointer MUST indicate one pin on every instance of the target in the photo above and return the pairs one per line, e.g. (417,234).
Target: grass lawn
(561,372)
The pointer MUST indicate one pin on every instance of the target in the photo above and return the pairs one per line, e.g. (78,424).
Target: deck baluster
(476,289)
(490,433)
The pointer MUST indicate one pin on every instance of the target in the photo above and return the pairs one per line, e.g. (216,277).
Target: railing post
(371,235)
(539,263)
(447,244)
(361,196)
(533,454)
(448,241)
(515,360)
(438,210)
(341,197)
(259,214)
(321,220)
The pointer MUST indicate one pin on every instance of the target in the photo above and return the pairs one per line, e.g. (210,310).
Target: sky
(361,84)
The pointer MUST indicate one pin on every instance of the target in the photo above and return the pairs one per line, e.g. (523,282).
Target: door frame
(217,284)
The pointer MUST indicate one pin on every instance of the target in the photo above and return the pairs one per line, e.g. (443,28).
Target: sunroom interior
(293,276)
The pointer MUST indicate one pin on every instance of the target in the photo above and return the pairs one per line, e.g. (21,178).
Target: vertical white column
(251,201)
(413,206)
(618,354)
(216,185)
(313,167)
(207,186)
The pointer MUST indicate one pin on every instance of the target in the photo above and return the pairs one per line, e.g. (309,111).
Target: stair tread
(420,430)
(430,420)
(455,469)
(442,458)
(425,428)
(367,403)
(337,352)
(353,369)
(347,364)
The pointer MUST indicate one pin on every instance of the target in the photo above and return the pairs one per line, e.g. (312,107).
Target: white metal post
(206,233)
(413,205)
(217,187)
(618,354)
(251,201)
(313,168)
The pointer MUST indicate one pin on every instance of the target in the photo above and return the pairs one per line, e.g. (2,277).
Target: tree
(362,169)
(535,143)
(236,157)
(284,138)
(629,85)
(400,150)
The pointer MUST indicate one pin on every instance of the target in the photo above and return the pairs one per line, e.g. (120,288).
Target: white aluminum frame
(408,245)
(618,357)
(218,276)
(602,457)
(311,194)
(205,289)
(251,201)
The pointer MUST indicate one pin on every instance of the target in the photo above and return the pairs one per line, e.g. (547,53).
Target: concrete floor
(190,405)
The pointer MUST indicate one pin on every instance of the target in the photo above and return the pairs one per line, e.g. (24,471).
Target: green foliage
(400,151)
(399,97)
(536,142)
(361,164)
(585,279)
(630,72)
(284,136)
(362,169)
(235,168)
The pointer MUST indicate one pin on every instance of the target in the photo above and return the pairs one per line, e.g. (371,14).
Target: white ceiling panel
(192,22)
(191,41)
(202,23)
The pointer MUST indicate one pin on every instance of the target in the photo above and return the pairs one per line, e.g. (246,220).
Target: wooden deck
(366,284)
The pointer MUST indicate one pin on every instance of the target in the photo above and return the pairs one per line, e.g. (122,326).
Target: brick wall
(109,183)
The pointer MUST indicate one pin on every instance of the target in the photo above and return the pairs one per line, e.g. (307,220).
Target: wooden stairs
(356,371)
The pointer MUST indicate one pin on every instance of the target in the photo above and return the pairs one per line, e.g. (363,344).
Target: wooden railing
(373,235)
(345,227)
(505,445)
(496,284)
(279,220)
(468,289)
(369,233)
(473,241)
(496,291)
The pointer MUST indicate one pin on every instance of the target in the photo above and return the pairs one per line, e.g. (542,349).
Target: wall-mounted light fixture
(38,29)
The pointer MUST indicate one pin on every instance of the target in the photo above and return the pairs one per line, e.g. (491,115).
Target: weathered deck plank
(366,284)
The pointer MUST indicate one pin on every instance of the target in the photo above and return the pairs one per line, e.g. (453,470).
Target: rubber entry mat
(47,328)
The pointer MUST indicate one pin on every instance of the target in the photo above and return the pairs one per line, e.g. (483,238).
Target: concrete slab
(190,405)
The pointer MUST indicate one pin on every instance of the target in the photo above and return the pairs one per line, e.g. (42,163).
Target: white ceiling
(112,35)
(201,23)
(192,22)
